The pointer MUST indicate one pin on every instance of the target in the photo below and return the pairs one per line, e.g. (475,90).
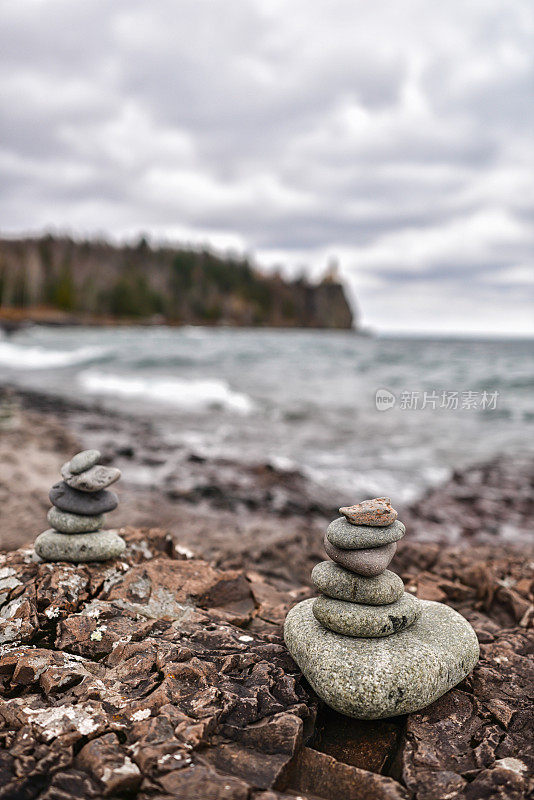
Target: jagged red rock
(377,512)
(158,676)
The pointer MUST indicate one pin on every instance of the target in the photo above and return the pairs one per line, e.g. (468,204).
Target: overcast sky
(395,135)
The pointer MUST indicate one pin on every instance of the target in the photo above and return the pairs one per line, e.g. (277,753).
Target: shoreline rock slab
(377,678)
(64,522)
(83,461)
(366,621)
(335,581)
(348,536)
(92,480)
(367,562)
(78,547)
(377,512)
(84,503)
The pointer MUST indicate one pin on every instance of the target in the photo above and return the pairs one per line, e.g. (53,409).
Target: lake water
(302,398)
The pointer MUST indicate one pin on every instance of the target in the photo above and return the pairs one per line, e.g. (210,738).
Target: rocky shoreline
(234,509)
(163,674)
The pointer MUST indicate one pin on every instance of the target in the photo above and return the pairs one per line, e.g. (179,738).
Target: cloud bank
(396,137)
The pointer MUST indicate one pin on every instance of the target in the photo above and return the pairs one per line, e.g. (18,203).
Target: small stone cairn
(360,596)
(367,647)
(79,503)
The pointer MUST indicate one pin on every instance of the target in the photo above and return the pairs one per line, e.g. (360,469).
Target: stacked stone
(369,649)
(80,501)
(361,597)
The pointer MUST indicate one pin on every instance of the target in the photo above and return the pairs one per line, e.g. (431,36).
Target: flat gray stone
(370,562)
(83,461)
(377,678)
(356,619)
(336,581)
(344,534)
(92,480)
(67,499)
(76,547)
(64,522)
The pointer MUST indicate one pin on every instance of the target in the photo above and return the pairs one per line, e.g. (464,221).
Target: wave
(16,356)
(192,395)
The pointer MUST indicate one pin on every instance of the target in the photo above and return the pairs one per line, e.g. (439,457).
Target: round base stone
(64,522)
(336,581)
(377,678)
(356,619)
(344,534)
(76,547)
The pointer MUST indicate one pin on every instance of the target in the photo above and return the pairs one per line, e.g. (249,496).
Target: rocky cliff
(62,279)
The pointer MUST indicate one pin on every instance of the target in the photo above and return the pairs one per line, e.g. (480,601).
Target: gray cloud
(396,137)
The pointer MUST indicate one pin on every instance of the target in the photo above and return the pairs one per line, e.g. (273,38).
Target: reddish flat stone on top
(377,512)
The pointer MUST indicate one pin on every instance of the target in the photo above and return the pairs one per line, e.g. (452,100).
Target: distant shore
(51,279)
(13,320)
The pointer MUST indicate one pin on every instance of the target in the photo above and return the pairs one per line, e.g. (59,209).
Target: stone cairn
(367,647)
(79,503)
(360,596)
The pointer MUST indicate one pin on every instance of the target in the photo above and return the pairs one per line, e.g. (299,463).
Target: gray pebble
(369,563)
(92,480)
(336,581)
(77,547)
(67,499)
(64,522)
(344,534)
(83,461)
(377,678)
(355,619)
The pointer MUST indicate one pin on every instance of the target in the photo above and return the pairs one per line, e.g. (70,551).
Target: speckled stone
(342,533)
(336,581)
(64,522)
(377,512)
(356,619)
(377,678)
(370,562)
(83,461)
(92,480)
(67,499)
(76,547)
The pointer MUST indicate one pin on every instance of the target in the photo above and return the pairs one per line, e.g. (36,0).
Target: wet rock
(336,581)
(368,744)
(369,563)
(349,536)
(377,512)
(83,461)
(84,503)
(321,775)
(355,619)
(92,480)
(64,522)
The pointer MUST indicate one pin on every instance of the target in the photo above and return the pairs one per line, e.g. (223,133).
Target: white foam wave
(192,395)
(17,356)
